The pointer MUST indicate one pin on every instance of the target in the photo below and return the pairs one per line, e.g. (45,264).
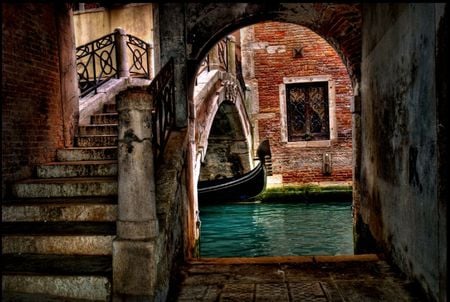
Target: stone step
(56,278)
(64,228)
(104,118)
(106,129)
(69,238)
(11,296)
(60,209)
(86,153)
(109,108)
(77,169)
(96,140)
(65,245)
(65,187)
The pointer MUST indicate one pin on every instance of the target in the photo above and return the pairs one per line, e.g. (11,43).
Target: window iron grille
(307,111)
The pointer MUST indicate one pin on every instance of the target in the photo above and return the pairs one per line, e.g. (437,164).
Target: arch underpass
(379,55)
(206,24)
(397,60)
(218,89)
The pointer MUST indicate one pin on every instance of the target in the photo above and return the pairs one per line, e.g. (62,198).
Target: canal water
(276,229)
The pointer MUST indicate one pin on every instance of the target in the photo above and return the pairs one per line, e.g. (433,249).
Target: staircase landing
(326,278)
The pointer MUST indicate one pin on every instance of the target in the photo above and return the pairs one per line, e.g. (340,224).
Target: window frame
(331,110)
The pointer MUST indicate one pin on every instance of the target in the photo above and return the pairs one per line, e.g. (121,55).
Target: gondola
(237,188)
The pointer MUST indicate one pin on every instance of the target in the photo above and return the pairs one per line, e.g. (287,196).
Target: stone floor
(340,278)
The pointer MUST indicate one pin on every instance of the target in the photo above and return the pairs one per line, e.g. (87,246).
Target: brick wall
(272,51)
(31,98)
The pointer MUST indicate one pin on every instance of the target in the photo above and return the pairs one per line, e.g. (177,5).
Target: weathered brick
(31,100)
(302,164)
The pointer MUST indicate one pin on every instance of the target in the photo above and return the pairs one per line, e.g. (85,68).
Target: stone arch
(206,23)
(223,90)
(338,24)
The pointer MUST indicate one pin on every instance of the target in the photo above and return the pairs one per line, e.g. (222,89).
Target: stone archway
(338,24)
(224,94)
(204,24)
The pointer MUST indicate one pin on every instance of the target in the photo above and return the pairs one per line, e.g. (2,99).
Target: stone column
(149,61)
(231,53)
(358,228)
(123,69)
(214,62)
(134,259)
(172,34)
(68,67)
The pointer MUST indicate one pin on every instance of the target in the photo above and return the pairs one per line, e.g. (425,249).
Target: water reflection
(276,229)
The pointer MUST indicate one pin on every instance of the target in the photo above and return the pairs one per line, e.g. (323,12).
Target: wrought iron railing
(96,63)
(101,60)
(162,90)
(239,75)
(223,53)
(223,56)
(141,57)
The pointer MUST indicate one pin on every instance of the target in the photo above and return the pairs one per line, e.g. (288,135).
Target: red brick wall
(31,98)
(300,164)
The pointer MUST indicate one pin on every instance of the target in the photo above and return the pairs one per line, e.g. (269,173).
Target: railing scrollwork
(223,53)
(98,61)
(220,57)
(140,56)
(162,90)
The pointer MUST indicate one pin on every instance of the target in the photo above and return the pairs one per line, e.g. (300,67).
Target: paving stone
(372,291)
(239,287)
(207,279)
(272,292)
(331,292)
(236,297)
(336,281)
(212,293)
(193,292)
(306,291)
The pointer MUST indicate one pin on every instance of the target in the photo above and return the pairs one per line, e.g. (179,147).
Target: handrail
(222,55)
(96,63)
(162,90)
(141,56)
(239,74)
(103,59)
(222,48)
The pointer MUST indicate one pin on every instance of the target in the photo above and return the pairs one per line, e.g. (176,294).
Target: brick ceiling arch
(338,24)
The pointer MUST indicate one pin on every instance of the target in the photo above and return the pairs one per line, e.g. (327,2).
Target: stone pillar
(359,230)
(134,259)
(231,53)
(214,62)
(123,69)
(149,62)
(68,67)
(172,35)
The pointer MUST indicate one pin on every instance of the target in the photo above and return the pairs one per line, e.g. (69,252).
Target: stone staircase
(58,227)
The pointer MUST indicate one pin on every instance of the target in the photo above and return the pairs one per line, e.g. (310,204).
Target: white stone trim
(331,108)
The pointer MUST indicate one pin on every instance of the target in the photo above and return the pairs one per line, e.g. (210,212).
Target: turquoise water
(275,229)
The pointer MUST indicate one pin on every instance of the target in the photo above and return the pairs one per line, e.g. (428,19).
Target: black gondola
(237,188)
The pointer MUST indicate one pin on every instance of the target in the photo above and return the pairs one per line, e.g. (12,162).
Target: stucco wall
(399,167)
(135,19)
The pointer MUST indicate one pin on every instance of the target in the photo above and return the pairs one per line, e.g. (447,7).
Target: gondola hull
(233,189)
